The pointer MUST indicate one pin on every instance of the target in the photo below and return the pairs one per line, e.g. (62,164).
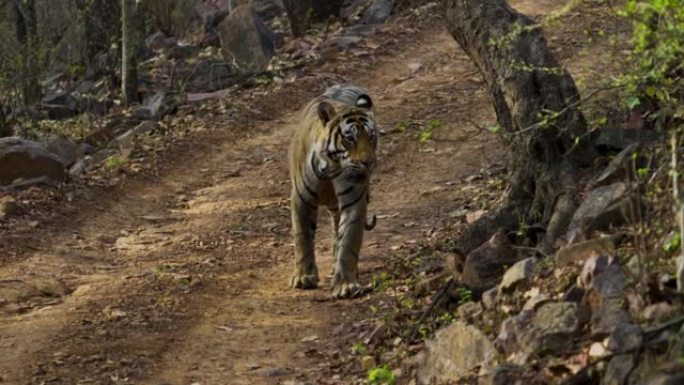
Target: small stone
(8,207)
(624,337)
(535,302)
(368,363)
(397,341)
(657,311)
(579,252)
(310,338)
(469,311)
(594,266)
(484,266)
(520,271)
(271,372)
(618,369)
(489,298)
(597,350)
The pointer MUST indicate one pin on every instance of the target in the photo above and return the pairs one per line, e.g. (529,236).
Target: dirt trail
(182,279)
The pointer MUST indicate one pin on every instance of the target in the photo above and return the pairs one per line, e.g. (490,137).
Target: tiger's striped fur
(332,156)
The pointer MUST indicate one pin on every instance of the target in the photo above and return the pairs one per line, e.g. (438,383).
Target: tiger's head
(348,150)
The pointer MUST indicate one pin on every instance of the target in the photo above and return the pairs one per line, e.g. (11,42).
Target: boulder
(593,266)
(210,75)
(484,266)
(377,12)
(519,272)
(158,41)
(603,207)
(246,42)
(23,160)
(66,149)
(60,105)
(454,352)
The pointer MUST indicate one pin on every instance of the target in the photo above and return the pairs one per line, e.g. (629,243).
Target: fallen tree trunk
(535,101)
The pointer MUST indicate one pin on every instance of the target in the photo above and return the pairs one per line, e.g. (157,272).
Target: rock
(511,333)
(657,312)
(353,35)
(597,350)
(500,375)
(485,265)
(574,294)
(271,372)
(609,284)
(604,207)
(23,160)
(50,287)
(368,363)
(559,319)
(158,41)
(489,298)
(520,271)
(377,12)
(618,167)
(210,75)
(469,311)
(614,138)
(246,42)
(579,252)
(594,266)
(182,51)
(430,283)
(8,207)
(66,149)
(453,352)
(535,302)
(126,139)
(665,379)
(60,105)
(607,316)
(618,369)
(624,337)
(377,334)
(156,106)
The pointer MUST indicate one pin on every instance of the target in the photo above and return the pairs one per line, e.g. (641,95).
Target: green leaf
(632,101)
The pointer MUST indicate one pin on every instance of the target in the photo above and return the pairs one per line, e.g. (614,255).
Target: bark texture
(129,72)
(534,99)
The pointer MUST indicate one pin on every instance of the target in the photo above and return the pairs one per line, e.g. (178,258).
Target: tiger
(331,158)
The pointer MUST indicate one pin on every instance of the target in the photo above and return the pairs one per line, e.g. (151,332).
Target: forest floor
(180,276)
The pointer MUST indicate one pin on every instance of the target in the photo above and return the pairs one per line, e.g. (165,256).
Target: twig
(564,110)
(648,339)
(435,299)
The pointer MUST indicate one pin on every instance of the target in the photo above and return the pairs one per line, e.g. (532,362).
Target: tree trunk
(534,99)
(26,32)
(302,13)
(129,78)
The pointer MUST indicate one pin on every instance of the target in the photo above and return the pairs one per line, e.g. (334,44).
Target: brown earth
(181,277)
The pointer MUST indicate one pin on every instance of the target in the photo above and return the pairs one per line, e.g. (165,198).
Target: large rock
(484,266)
(23,159)
(616,138)
(246,42)
(604,207)
(210,75)
(156,106)
(66,149)
(453,353)
(60,105)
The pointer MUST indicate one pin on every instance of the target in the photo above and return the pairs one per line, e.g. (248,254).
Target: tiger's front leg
(305,275)
(350,237)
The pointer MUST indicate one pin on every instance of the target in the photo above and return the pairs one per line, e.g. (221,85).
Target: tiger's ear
(326,112)
(364,101)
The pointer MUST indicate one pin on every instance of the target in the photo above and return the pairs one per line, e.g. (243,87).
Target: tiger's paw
(302,280)
(347,290)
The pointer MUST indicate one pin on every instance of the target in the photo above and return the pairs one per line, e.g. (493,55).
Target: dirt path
(182,279)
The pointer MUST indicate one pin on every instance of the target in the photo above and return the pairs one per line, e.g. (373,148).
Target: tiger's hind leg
(305,275)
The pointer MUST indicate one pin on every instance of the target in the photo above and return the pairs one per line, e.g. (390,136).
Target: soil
(180,277)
